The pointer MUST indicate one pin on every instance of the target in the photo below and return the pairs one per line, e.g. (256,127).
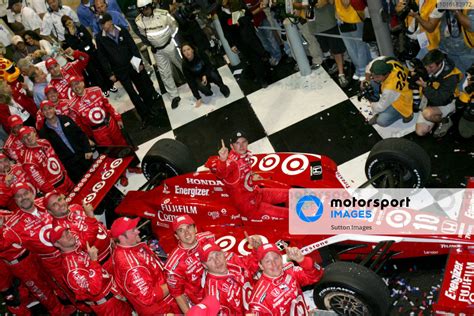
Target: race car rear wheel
(351,289)
(397,163)
(167,158)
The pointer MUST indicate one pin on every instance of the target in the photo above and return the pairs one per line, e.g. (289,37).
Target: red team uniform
(184,270)
(62,108)
(140,273)
(19,175)
(97,117)
(45,170)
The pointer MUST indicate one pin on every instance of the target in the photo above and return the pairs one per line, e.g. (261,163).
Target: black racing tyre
(406,164)
(352,290)
(168,157)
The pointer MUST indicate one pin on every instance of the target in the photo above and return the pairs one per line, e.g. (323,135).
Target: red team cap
(264,249)
(75,79)
(206,250)
(56,234)
(14,120)
(49,88)
(50,62)
(21,185)
(122,224)
(208,307)
(183,219)
(48,197)
(25,130)
(46,103)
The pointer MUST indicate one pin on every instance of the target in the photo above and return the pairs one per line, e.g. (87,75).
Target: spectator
(234,168)
(20,13)
(242,37)
(101,8)
(79,38)
(42,164)
(457,34)
(38,5)
(40,82)
(43,48)
(438,94)
(52,19)
(82,222)
(8,106)
(414,19)
(68,141)
(352,27)
(26,69)
(326,23)
(199,74)
(10,173)
(60,75)
(157,28)
(287,278)
(116,49)
(86,14)
(95,114)
(139,272)
(396,98)
(20,50)
(183,281)
(229,276)
(14,147)
(85,277)
(465,104)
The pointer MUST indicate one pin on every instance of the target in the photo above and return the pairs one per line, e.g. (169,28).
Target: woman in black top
(200,73)
(78,37)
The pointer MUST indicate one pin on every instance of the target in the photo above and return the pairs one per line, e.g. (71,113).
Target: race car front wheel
(352,290)
(397,163)
(167,158)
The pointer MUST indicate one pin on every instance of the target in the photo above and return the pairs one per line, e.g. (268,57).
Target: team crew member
(396,99)
(139,272)
(96,115)
(14,147)
(62,106)
(81,221)
(184,269)
(157,28)
(235,170)
(86,278)
(278,291)
(229,276)
(42,165)
(60,76)
(28,228)
(13,294)
(23,265)
(9,175)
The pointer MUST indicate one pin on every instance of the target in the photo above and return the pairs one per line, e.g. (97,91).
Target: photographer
(438,94)
(414,14)
(396,98)
(465,104)
(457,34)
(157,28)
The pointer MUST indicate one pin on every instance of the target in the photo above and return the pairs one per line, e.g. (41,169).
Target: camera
(410,6)
(367,92)
(470,84)
(417,72)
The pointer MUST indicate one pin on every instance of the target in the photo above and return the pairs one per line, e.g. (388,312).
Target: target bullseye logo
(53,166)
(295,164)
(309,204)
(97,115)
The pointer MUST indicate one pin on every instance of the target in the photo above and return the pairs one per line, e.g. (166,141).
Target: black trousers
(213,77)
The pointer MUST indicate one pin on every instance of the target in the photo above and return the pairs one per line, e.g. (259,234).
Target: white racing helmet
(141,4)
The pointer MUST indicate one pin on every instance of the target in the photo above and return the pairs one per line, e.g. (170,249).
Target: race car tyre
(398,163)
(350,289)
(168,158)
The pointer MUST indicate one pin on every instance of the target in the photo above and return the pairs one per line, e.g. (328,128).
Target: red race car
(351,285)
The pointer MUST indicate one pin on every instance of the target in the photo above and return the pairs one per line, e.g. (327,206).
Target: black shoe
(145,124)
(175,102)
(263,83)
(225,91)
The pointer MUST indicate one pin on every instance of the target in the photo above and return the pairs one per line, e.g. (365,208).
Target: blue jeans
(269,41)
(388,117)
(357,50)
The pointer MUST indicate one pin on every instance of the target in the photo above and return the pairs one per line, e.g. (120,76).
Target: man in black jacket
(439,94)
(115,49)
(68,140)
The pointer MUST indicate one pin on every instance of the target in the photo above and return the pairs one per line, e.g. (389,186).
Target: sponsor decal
(460,285)
(204,181)
(316,170)
(188,209)
(192,192)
